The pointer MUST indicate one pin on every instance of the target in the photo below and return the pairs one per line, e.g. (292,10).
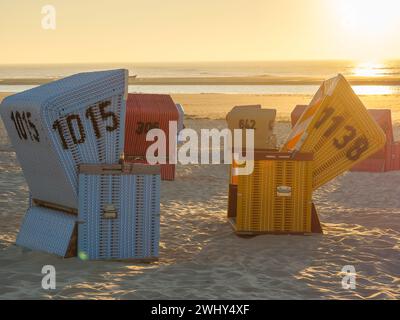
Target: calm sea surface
(282,70)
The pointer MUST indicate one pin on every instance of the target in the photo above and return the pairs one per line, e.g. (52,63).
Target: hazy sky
(199,30)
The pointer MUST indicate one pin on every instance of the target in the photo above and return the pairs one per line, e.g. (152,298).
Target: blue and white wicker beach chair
(57,126)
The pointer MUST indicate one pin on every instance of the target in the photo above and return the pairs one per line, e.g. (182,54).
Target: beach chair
(385,159)
(143,113)
(296,114)
(57,126)
(119,212)
(394,157)
(331,135)
(53,129)
(337,129)
(257,118)
(250,117)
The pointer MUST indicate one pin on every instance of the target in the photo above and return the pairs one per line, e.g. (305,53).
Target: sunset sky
(206,30)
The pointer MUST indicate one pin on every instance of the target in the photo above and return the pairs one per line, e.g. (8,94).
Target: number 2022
(360,144)
(92,113)
(24,126)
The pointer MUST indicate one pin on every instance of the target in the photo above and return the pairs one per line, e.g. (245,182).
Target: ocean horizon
(296,71)
(390,68)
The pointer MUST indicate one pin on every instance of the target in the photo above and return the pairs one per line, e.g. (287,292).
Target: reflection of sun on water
(371,70)
(368,70)
(373,90)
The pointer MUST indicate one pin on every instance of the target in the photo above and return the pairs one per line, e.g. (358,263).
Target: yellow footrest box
(277,196)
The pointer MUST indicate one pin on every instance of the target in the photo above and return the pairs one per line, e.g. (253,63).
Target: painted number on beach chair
(145,127)
(73,121)
(24,126)
(101,107)
(247,124)
(360,144)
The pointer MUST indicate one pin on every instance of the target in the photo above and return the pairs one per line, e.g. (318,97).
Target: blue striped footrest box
(48,230)
(119,212)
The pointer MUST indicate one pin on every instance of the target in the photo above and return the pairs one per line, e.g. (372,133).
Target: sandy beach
(200,257)
(216,105)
